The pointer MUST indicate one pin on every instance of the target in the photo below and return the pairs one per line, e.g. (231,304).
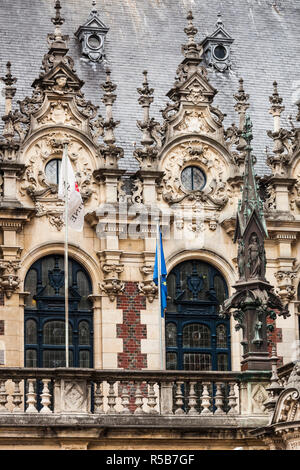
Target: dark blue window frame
(190,308)
(52,308)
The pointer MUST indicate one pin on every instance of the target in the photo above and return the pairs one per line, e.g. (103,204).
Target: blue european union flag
(163,272)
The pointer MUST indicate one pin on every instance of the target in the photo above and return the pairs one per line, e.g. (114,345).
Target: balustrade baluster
(3,397)
(125,398)
(98,398)
(45,397)
(219,399)
(179,399)
(232,402)
(17,396)
(31,397)
(111,399)
(138,399)
(192,400)
(206,399)
(152,400)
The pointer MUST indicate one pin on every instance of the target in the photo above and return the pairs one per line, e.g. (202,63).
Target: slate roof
(147,34)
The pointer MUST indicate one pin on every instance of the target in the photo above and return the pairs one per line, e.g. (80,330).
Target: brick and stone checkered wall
(131,330)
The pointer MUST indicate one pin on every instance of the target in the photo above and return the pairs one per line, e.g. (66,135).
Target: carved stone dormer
(192,95)
(91,36)
(216,48)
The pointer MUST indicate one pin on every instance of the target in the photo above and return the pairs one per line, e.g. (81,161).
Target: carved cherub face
(61,81)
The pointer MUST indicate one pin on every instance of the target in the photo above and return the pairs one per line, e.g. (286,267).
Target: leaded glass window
(171,334)
(171,361)
(197,361)
(54,333)
(196,336)
(84,333)
(31,358)
(84,359)
(45,313)
(31,332)
(52,170)
(193,178)
(222,362)
(196,339)
(221,336)
(56,358)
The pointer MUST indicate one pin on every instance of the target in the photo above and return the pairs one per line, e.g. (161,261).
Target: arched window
(45,315)
(196,338)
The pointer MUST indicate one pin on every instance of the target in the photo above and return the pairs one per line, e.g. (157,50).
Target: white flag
(75,203)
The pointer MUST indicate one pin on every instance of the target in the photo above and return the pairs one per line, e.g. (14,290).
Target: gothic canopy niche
(91,36)
(194,156)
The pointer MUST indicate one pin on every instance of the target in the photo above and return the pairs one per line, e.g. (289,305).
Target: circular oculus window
(94,41)
(193,178)
(220,52)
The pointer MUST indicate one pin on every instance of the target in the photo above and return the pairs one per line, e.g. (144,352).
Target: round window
(52,170)
(220,52)
(193,178)
(94,41)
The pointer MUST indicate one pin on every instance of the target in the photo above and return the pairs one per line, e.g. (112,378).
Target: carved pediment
(198,88)
(60,79)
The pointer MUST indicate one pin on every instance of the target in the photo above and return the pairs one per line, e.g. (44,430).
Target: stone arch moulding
(204,153)
(46,145)
(203,139)
(215,259)
(75,252)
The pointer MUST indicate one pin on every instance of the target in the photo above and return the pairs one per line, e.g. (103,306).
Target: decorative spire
(109,152)
(191,49)
(219,23)
(57,42)
(251,202)
(10,90)
(147,155)
(108,99)
(57,20)
(242,103)
(276,107)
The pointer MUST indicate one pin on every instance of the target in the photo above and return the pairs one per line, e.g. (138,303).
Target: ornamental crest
(196,174)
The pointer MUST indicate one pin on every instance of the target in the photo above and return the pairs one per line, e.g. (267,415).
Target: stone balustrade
(90,392)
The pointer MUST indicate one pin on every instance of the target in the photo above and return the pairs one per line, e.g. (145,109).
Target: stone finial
(108,99)
(147,155)
(242,103)
(57,20)
(191,49)
(219,23)
(276,107)
(110,152)
(10,90)
(274,389)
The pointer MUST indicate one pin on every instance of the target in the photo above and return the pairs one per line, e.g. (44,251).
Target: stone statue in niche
(255,257)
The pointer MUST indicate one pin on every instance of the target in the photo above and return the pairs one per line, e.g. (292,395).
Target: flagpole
(66,256)
(159,294)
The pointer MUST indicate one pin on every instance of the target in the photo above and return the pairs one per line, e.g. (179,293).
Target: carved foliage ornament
(34,182)
(9,280)
(214,194)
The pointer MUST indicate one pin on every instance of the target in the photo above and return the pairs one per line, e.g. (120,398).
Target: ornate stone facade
(189,176)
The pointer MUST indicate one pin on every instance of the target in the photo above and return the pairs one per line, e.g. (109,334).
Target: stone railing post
(166,398)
